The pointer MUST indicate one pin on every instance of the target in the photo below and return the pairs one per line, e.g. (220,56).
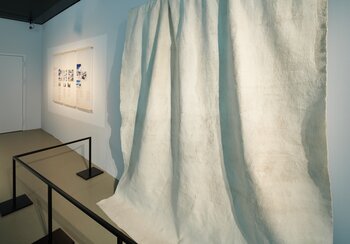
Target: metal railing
(17,203)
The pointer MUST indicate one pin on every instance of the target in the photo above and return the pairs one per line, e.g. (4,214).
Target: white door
(11,82)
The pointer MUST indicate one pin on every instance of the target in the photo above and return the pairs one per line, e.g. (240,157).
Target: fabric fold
(223,123)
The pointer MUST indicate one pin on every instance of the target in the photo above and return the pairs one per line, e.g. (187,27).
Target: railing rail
(17,203)
(52,147)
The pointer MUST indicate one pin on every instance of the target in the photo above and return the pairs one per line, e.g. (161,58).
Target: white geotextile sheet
(223,123)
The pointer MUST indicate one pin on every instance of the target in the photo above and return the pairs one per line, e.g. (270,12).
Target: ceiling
(35,11)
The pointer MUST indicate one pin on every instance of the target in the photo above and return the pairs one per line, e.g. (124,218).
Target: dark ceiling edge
(54,10)
(10,16)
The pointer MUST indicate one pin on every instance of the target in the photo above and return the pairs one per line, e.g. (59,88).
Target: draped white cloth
(223,123)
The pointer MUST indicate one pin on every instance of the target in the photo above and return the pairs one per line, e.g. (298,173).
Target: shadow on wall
(113,102)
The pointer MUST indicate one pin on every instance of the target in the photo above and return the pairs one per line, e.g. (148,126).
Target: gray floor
(59,166)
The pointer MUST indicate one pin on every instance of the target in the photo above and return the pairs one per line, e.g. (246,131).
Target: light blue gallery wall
(16,38)
(85,20)
(338,115)
(91,18)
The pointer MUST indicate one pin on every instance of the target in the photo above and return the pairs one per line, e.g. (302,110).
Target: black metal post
(14,194)
(57,236)
(91,171)
(90,157)
(49,212)
(16,203)
(119,241)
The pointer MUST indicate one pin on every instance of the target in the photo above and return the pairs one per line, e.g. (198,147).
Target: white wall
(338,110)
(89,19)
(17,38)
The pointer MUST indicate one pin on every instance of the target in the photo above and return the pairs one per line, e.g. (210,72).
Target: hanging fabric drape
(223,123)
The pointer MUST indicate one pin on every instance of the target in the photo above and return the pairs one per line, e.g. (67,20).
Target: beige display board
(73,79)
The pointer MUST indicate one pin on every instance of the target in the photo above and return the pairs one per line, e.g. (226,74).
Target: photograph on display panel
(72,79)
(84,79)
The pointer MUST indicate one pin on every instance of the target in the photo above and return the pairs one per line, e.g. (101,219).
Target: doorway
(11,93)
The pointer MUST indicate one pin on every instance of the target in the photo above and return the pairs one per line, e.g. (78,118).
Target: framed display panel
(72,78)
(84,98)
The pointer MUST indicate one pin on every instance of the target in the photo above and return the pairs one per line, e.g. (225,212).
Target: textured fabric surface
(223,123)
